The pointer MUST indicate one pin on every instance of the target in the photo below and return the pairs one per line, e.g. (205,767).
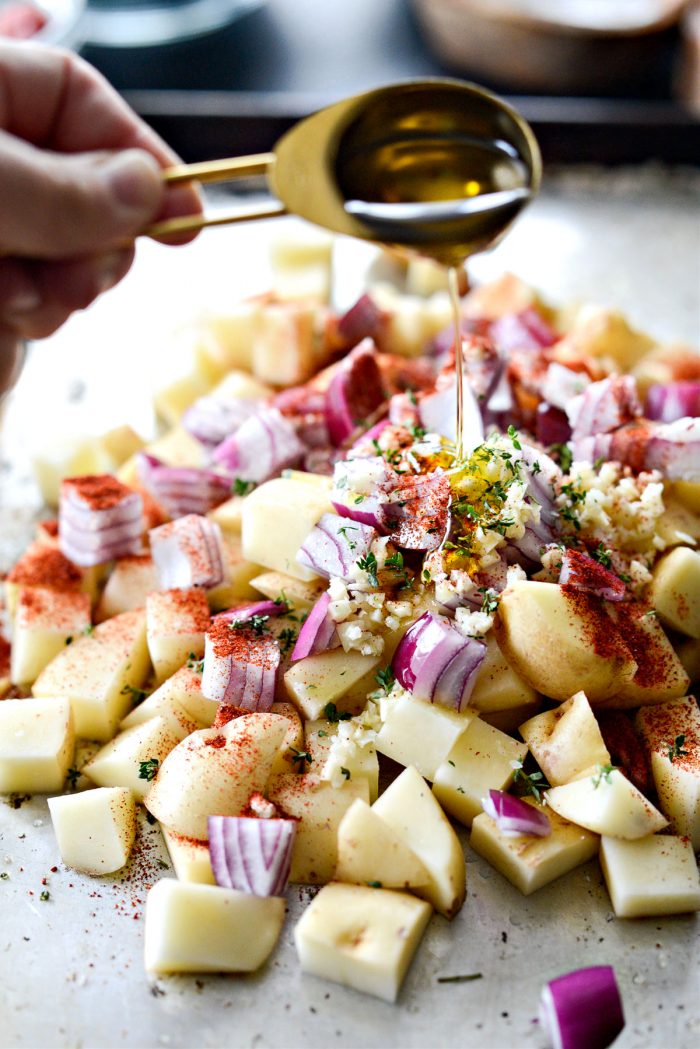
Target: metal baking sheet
(71,972)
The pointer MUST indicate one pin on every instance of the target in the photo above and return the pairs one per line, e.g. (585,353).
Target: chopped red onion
(299,400)
(514,816)
(551,425)
(591,449)
(364,441)
(561,385)
(253,608)
(359,489)
(438,414)
(674,450)
(604,406)
(669,401)
(582,1009)
(211,419)
(365,509)
(354,392)
(333,546)
(542,474)
(263,446)
(583,573)
(183,489)
(251,855)
(416,513)
(526,330)
(187,552)
(240,665)
(322,460)
(318,632)
(501,398)
(99,519)
(403,410)
(363,320)
(436,663)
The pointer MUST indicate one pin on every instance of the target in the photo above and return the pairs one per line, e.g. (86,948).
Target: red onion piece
(240,666)
(363,320)
(514,816)
(359,489)
(364,441)
(99,519)
(590,449)
(604,406)
(416,513)
(674,450)
(561,385)
(551,425)
(318,632)
(74,549)
(583,573)
(403,411)
(183,489)
(669,401)
(253,608)
(299,400)
(582,1009)
(438,414)
(354,392)
(366,511)
(436,663)
(211,419)
(333,547)
(251,855)
(263,446)
(187,552)
(526,330)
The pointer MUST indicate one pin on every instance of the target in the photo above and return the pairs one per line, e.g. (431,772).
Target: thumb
(55,206)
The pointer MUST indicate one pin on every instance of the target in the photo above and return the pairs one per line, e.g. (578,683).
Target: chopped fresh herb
(418,432)
(163,865)
(148,769)
(5,876)
(461,978)
(374,884)
(283,602)
(332,714)
(489,600)
(536,468)
(72,777)
(385,678)
(451,762)
(345,772)
(241,487)
(344,532)
(137,694)
(358,499)
(258,624)
(599,462)
(564,455)
(513,434)
(412,396)
(395,561)
(392,455)
(603,773)
(675,749)
(301,757)
(602,556)
(461,790)
(369,565)
(425,575)
(88,629)
(533,782)
(45,895)
(322,733)
(195,664)
(651,614)
(69,640)
(287,639)
(624,577)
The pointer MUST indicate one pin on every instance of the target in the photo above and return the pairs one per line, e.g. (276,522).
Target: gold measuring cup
(439,166)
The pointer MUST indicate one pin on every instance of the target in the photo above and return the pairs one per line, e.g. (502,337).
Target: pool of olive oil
(425,168)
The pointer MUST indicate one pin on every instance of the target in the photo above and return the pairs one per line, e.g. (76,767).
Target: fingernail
(133,180)
(23,302)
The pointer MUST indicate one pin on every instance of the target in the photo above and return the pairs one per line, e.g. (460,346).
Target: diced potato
(73,457)
(129,583)
(214,771)
(299,594)
(229,515)
(41,565)
(277,517)
(176,622)
(677,526)
(238,574)
(371,853)
(45,623)
(529,862)
(566,742)
(319,807)
(671,733)
(163,705)
(675,591)
(497,298)
(183,689)
(607,803)
(177,448)
(421,734)
(410,809)
(652,876)
(660,675)
(498,687)
(95,830)
(361,763)
(343,678)
(600,332)
(481,760)
(688,651)
(204,928)
(119,444)
(100,673)
(688,492)
(301,264)
(293,743)
(172,400)
(510,720)
(361,937)
(132,758)
(226,339)
(283,347)
(190,858)
(37,744)
(536,620)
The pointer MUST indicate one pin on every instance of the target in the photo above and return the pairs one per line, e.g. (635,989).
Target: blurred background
(611,81)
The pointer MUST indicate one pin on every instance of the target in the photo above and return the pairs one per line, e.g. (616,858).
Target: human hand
(79,178)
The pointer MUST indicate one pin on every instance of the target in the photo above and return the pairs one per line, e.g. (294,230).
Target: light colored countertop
(71,972)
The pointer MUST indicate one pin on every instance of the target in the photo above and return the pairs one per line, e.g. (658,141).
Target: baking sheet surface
(71,972)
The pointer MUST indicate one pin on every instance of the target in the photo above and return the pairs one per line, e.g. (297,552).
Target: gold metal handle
(217,171)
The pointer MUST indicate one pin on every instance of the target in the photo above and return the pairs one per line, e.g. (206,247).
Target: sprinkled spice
(243,644)
(45,566)
(98,491)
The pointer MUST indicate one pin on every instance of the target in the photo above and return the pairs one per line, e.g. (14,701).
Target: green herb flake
(301,758)
(602,556)
(385,678)
(345,772)
(332,714)
(563,454)
(72,777)
(533,782)
(137,694)
(45,895)
(241,487)
(256,623)
(513,434)
(148,769)
(675,749)
(368,564)
(287,640)
(460,978)
(604,772)
(374,884)
(5,876)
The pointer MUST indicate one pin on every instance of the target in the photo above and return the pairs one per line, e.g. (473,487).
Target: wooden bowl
(550,45)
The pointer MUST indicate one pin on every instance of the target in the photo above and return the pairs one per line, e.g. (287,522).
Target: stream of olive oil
(453,286)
